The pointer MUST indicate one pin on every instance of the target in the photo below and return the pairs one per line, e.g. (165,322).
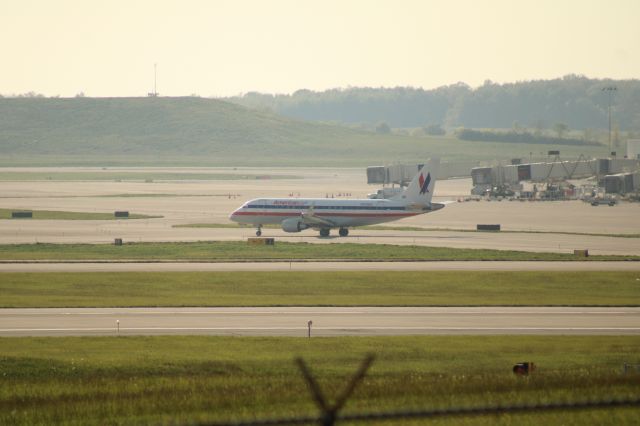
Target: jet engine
(293,224)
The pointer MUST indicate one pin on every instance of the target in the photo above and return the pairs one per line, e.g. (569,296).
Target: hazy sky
(221,48)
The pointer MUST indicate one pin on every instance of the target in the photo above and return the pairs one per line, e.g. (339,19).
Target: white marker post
(309,325)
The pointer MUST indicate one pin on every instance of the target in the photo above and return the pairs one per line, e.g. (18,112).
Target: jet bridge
(401,174)
(486,178)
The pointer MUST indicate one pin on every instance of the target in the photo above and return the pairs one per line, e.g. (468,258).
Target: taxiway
(325,321)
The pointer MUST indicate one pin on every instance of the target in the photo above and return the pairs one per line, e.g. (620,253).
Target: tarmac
(211,201)
(560,227)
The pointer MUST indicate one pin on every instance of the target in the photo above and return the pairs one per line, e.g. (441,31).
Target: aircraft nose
(233,216)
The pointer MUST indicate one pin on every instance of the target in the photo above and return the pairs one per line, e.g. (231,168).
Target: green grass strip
(503,231)
(418,229)
(414,229)
(169,380)
(240,250)
(350,288)
(61,215)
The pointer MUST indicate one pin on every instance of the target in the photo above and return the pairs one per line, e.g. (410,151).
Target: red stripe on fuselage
(326,214)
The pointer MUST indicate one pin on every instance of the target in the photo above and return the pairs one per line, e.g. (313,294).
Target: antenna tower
(155,81)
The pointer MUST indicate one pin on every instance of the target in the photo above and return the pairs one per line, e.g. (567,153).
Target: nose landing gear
(259,231)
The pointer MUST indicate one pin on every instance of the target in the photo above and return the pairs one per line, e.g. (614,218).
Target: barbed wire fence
(330,413)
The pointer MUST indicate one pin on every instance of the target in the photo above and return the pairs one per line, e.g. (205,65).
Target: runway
(357,321)
(300,266)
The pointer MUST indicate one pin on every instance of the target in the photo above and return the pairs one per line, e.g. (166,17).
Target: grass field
(192,131)
(60,215)
(351,150)
(379,288)
(161,380)
(241,251)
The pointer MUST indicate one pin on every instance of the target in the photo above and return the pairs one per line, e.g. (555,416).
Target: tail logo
(424,183)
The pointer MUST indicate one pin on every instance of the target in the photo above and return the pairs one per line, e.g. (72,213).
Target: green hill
(197,131)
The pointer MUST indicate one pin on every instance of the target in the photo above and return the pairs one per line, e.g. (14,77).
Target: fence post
(329,413)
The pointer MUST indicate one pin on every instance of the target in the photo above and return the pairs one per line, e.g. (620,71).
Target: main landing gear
(259,231)
(343,232)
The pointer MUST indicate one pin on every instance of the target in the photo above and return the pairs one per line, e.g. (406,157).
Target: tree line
(578,101)
(518,137)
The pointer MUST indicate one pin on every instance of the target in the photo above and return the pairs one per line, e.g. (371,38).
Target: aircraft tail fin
(420,190)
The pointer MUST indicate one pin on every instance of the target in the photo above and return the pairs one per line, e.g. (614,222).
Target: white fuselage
(297,214)
(340,213)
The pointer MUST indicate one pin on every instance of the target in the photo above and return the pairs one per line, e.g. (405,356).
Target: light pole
(610,90)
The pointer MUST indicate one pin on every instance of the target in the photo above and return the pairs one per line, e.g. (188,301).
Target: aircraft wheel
(344,232)
(324,232)
(258,232)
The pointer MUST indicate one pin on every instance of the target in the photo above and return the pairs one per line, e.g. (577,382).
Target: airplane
(295,215)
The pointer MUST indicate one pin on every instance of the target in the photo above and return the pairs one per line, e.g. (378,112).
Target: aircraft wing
(438,206)
(428,208)
(311,219)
